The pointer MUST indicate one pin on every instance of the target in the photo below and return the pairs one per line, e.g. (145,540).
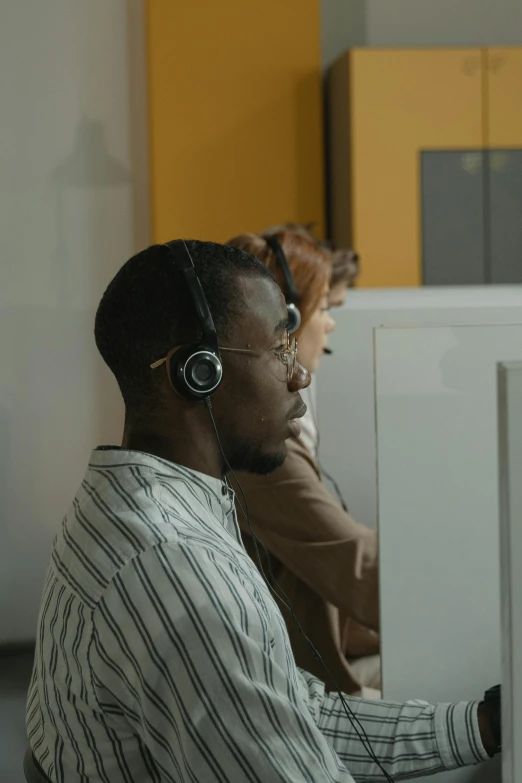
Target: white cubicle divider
(345,391)
(436,409)
(510,479)
(68,219)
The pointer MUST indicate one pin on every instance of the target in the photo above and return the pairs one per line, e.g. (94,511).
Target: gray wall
(73,208)
(443,22)
(343,25)
(347,23)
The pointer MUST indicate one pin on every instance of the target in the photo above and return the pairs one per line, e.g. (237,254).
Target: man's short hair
(147,310)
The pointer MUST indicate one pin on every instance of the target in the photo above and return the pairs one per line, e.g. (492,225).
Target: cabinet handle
(471,162)
(470,66)
(499,161)
(496,62)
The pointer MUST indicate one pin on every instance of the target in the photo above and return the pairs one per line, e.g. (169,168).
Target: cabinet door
(404,102)
(504,97)
(453,250)
(504,219)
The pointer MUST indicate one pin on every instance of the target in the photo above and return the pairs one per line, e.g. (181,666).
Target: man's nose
(300,379)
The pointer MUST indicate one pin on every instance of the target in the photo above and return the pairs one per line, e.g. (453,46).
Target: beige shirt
(326,563)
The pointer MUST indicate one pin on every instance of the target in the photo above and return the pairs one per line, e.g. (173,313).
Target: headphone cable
(354,720)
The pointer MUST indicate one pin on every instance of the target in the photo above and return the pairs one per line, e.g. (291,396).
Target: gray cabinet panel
(452,198)
(504,194)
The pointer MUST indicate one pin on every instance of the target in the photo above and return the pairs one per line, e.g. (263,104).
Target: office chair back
(31,771)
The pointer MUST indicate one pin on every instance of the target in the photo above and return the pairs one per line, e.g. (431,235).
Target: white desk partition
(510,473)
(345,392)
(436,408)
(69,186)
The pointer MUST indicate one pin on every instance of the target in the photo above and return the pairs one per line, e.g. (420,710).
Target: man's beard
(252,459)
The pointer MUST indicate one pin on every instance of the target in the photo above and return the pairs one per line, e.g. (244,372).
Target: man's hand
(489,712)
(486,733)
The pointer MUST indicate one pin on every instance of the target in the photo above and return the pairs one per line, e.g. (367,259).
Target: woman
(344,273)
(322,559)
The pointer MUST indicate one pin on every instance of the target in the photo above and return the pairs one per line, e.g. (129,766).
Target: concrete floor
(15,673)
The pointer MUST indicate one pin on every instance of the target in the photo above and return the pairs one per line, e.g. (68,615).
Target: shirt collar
(114,456)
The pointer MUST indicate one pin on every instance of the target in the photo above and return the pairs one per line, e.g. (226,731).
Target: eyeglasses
(287,355)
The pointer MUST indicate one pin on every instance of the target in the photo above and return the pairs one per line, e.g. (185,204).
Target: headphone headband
(195,371)
(292,297)
(185,264)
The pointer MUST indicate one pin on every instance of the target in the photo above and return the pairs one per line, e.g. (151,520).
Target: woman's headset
(292,297)
(195,371)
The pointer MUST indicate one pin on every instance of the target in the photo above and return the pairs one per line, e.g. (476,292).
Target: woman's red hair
(309,264)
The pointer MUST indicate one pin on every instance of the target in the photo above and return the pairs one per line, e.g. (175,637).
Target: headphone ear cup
(294,318)
(195,372)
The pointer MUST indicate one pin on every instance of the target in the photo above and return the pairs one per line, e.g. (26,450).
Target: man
(160,654)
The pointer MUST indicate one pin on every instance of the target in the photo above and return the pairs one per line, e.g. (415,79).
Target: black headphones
(292,297)
(195,371)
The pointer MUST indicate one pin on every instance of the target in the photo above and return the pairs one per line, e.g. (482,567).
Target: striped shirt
(161,655)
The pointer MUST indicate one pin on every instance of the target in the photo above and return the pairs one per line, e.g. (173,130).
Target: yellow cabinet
(388,106)
(396,103)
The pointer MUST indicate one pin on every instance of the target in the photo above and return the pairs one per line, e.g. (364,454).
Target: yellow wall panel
(504,97)
(401,102)
(235,116)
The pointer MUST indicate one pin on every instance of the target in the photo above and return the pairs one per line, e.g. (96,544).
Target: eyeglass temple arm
(237,350)
(159,362)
